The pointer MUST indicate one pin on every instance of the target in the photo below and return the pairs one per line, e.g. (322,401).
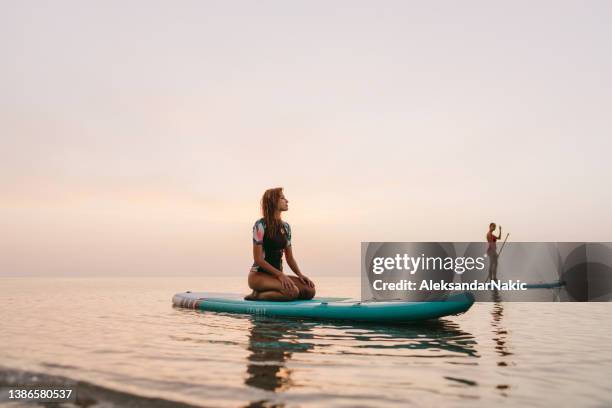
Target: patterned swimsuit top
(273,247)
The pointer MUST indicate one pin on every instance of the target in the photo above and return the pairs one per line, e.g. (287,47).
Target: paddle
(504,243)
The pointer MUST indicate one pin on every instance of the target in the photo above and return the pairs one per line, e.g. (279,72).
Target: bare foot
(252,296)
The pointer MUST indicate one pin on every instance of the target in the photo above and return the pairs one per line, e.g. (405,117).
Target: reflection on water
(500,337)
(272,343)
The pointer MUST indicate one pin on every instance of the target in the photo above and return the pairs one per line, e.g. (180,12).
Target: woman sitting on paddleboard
(272,237)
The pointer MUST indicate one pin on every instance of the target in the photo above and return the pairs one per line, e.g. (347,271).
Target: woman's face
(283,203)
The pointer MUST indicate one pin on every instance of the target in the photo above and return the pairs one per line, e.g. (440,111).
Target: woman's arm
(291,261)
(295,268)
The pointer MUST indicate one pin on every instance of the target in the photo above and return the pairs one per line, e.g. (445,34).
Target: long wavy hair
(269,206)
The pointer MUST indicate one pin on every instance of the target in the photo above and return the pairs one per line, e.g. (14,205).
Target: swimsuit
(491,239)
(273,247)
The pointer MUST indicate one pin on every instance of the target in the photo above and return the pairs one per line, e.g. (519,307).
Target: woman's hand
(288,287)
(306,281)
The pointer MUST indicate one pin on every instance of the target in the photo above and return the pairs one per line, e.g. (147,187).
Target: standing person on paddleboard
(492,250)
(272,238)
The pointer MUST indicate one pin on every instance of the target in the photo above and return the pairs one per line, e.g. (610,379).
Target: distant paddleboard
(328,308)
(549,285)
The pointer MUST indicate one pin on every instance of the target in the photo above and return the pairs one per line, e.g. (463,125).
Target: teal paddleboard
(328,308)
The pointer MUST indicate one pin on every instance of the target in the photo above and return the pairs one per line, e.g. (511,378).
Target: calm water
(124,337)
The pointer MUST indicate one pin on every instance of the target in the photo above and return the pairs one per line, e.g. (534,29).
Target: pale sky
(137,137)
